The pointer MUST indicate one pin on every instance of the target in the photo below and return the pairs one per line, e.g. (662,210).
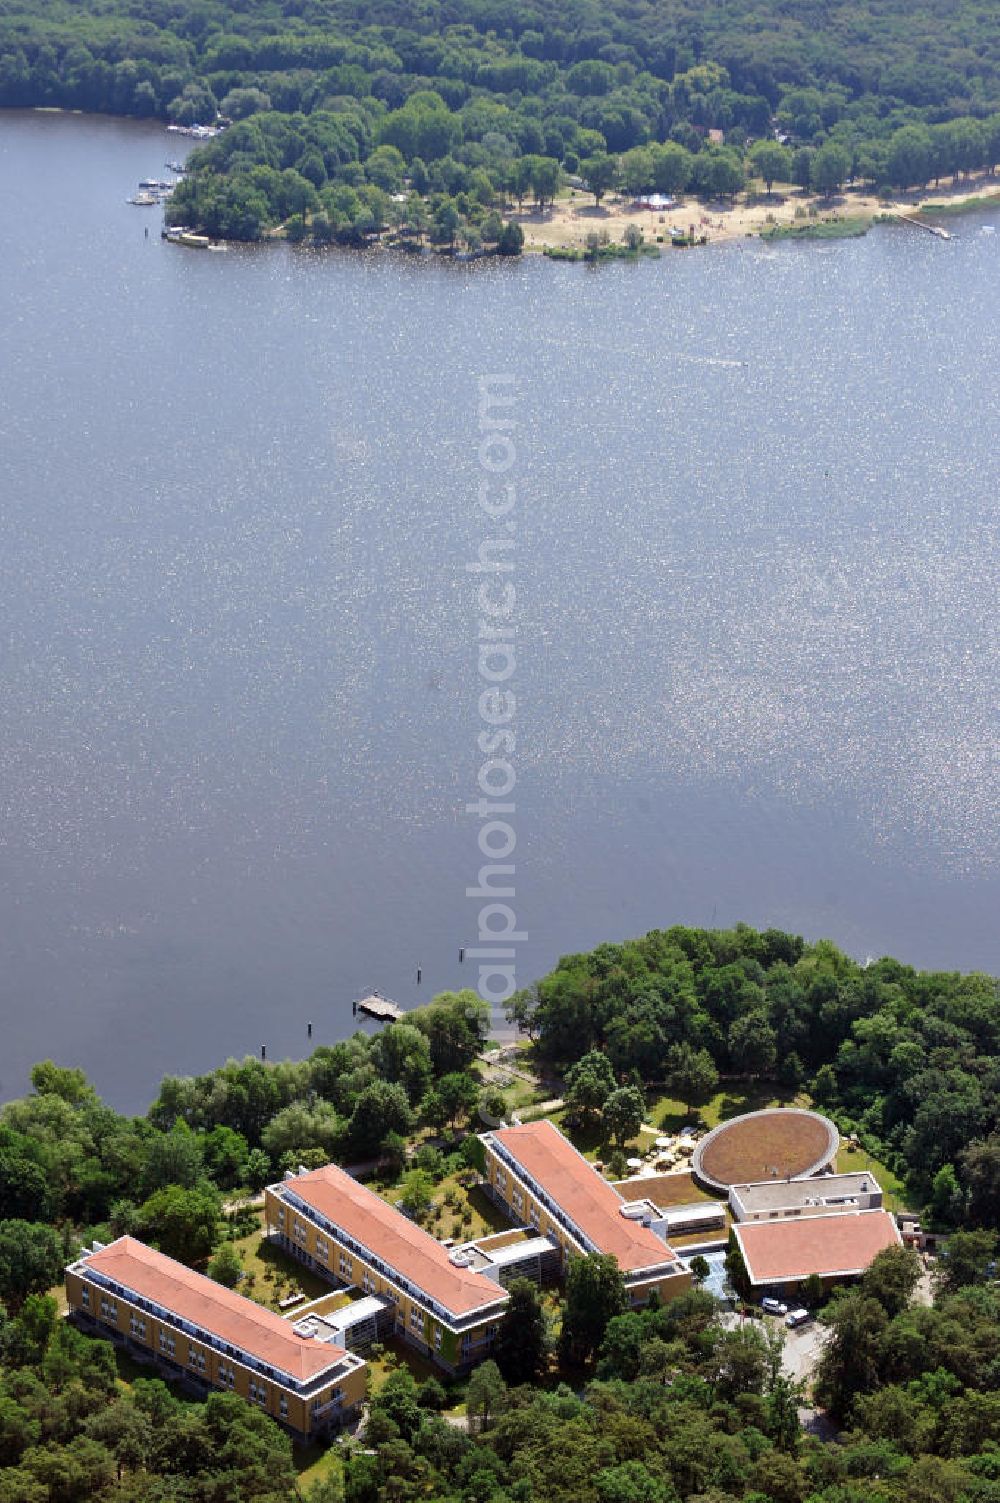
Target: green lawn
(272,1273)
(314,1464)
(856,1160)
(473,1215)
(736,1097)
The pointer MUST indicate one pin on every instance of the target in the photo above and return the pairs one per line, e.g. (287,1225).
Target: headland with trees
(430,123)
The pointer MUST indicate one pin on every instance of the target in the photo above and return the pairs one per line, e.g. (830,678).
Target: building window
(281,1216)
(368,1283)
(417,1321)
(196,1358)
(85,1298)
(438,1338)
(283,1407)
(518,1200)
(167,1343)
(109,1309)
(227,1376)
(321,1248)
(346,1266)
(137,1327)
(299,1231)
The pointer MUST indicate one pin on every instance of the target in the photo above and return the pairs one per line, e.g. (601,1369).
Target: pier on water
(374,1005)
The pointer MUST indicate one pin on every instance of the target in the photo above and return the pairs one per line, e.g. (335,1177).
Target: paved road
(802,1345)
(802,1350)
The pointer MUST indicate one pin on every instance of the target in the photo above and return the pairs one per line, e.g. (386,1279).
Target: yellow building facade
(542,1182)
(191,1326)
(338,1227)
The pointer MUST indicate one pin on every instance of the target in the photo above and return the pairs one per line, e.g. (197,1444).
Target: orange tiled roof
(221,1312)
(841,1244)
(587,1199)
(395,1239)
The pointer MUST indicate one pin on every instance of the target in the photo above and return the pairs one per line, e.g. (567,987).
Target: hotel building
(434,1298)
(215,1338)
(821,1195)
(541,1181)
(780,1255)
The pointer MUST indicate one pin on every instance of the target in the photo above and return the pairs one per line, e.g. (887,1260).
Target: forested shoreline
(908,1060)
(587,1401)
(429,121)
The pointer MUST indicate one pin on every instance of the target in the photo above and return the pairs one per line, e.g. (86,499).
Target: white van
(796,1318)
(773,1307)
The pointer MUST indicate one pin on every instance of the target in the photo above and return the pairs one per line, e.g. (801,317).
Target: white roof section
(822,1189)
(516,1252)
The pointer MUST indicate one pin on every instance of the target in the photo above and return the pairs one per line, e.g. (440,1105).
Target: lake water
(756,575)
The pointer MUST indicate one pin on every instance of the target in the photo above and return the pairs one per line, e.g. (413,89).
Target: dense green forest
(587,1401)
(910,1060)
(675,1407)
(428,118)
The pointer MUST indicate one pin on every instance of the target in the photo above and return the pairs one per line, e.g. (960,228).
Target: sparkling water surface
(756,568)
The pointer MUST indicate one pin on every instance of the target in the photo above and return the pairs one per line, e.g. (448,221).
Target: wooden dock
(932,229)
(374,1005)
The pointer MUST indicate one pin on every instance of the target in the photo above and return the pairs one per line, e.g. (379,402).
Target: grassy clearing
(737,1097)
(315,1465)
(845,227)
(270,1273)
(960,205)
(858,1161)
(396,1354)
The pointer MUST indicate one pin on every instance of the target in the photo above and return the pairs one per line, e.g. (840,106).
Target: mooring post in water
(419,974)
(263,1051)
(309,1030)
(461,956)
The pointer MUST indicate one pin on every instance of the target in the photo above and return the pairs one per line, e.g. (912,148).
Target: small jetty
(921,224)
(374,1005)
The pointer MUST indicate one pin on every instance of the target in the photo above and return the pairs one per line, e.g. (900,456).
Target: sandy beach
(574,215)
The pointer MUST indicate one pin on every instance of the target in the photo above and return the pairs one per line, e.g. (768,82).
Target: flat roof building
(817,1196)
(541,1180)
(339,1227)
(700,1216)
(837,1246)
(189,1324)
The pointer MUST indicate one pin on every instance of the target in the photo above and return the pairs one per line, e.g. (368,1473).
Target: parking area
(802,1349)
(803,1344)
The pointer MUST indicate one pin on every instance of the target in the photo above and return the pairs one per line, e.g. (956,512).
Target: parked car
(796,1318)
(773,1306)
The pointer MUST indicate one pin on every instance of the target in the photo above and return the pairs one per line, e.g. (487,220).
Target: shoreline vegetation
(788,213)
(620,229)
(437,126)
(617,1046)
